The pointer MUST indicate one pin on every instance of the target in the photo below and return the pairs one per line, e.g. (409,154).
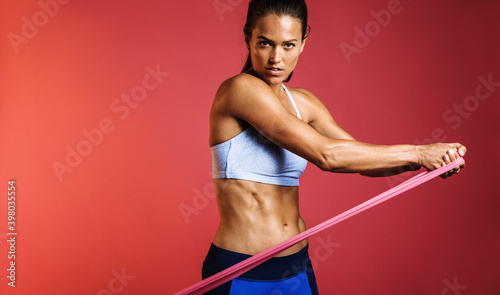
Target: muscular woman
(262,134)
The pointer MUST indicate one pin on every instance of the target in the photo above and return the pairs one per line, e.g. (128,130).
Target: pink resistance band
(247,264)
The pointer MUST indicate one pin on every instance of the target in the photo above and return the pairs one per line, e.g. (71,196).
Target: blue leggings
(286,275)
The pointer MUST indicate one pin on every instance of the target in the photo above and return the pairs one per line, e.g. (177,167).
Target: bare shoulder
(309,104)
(237,102)
(303,94)
(240,83)
(317,115)
(241,91)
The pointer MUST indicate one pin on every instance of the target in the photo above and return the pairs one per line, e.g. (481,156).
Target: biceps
(259,107)
(286,130)
(296,136)
(329,128)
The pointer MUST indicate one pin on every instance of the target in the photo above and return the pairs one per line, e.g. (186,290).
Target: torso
(254,216)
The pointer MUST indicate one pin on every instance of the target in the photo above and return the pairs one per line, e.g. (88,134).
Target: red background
(120,207)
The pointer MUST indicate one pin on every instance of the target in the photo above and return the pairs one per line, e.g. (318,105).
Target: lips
(274,71)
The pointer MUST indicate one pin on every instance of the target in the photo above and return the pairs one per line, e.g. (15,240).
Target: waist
(255,216)
(275,268)
(250,242)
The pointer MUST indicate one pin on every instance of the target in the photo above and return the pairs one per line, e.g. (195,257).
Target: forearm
(348,156)
(390,171)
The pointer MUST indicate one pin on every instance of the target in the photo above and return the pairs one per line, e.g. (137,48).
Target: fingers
(447,159)
(453,156)
(438,155)
(461,149)
(450,156)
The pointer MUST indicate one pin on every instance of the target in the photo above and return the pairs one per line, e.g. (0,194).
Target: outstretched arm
(321,120)
(328,147)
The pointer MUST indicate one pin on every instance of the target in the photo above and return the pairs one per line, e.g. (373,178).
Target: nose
(275,56)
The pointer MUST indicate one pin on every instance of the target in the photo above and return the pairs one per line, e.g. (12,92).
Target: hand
(453,154)
(434,156)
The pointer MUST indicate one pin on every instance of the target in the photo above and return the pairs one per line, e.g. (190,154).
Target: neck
(277,88)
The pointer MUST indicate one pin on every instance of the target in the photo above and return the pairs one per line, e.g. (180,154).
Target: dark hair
(262,8)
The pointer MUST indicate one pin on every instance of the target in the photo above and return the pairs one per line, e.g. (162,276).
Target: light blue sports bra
(251,156)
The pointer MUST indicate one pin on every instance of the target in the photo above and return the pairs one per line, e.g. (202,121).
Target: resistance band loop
(245,265)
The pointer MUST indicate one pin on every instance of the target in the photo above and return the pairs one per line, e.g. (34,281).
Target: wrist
(411,167)
(417,156)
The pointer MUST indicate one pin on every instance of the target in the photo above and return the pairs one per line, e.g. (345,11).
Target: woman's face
(275,46)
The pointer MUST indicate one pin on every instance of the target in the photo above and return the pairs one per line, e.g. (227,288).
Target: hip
(290,274)
(250,238)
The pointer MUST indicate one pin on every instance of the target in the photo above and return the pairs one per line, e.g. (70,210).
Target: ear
(247,42)
(303,44)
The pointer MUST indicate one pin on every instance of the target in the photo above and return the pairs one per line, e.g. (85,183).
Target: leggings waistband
(276,268)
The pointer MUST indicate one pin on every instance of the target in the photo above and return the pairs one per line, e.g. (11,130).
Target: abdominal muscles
(256,216)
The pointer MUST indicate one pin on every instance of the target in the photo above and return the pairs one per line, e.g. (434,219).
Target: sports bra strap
(293,102)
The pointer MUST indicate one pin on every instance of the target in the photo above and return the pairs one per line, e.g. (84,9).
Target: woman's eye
(289,45)
(264,43)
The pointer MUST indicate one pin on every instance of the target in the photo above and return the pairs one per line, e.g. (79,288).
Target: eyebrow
(267,39)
